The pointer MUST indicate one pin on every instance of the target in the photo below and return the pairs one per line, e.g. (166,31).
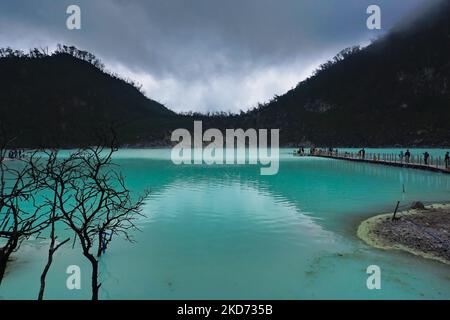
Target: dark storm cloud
(203,54)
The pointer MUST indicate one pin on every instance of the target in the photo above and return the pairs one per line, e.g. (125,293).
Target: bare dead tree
(93,200)
(54,246)
(49,176)
(20,215)
(20,180)
(83,191)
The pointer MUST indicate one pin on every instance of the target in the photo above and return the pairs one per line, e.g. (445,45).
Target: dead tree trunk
(94,278)
(5,254)
(44,273)
(51,252)
(3,262)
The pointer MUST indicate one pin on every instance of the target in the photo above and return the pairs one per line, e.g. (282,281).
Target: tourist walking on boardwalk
(426,156)
(447,160)
(362,153)
(407,156)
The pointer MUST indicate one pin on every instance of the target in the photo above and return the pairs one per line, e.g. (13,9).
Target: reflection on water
(228,232)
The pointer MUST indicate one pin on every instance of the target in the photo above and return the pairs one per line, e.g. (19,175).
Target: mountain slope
(394,92)
(62,100)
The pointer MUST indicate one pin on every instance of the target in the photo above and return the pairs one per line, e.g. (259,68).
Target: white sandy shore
(369,231)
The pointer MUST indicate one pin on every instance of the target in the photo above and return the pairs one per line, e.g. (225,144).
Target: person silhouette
(447,160)
(426,156)
(362,152)
(407,155)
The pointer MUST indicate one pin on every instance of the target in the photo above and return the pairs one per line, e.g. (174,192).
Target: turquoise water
(226,232)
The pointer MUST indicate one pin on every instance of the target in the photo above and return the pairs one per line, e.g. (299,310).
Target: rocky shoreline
(423,231)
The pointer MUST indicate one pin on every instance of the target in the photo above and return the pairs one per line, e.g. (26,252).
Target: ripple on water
(227,232)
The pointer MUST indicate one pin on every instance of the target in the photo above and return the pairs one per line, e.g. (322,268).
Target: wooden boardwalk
(435,164)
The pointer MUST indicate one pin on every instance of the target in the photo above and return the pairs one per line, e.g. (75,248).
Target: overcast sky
(204,55)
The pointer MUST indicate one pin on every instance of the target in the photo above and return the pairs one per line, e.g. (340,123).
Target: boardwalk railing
(414,161)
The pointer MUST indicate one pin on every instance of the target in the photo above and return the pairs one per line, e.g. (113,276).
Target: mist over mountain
(393,92)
